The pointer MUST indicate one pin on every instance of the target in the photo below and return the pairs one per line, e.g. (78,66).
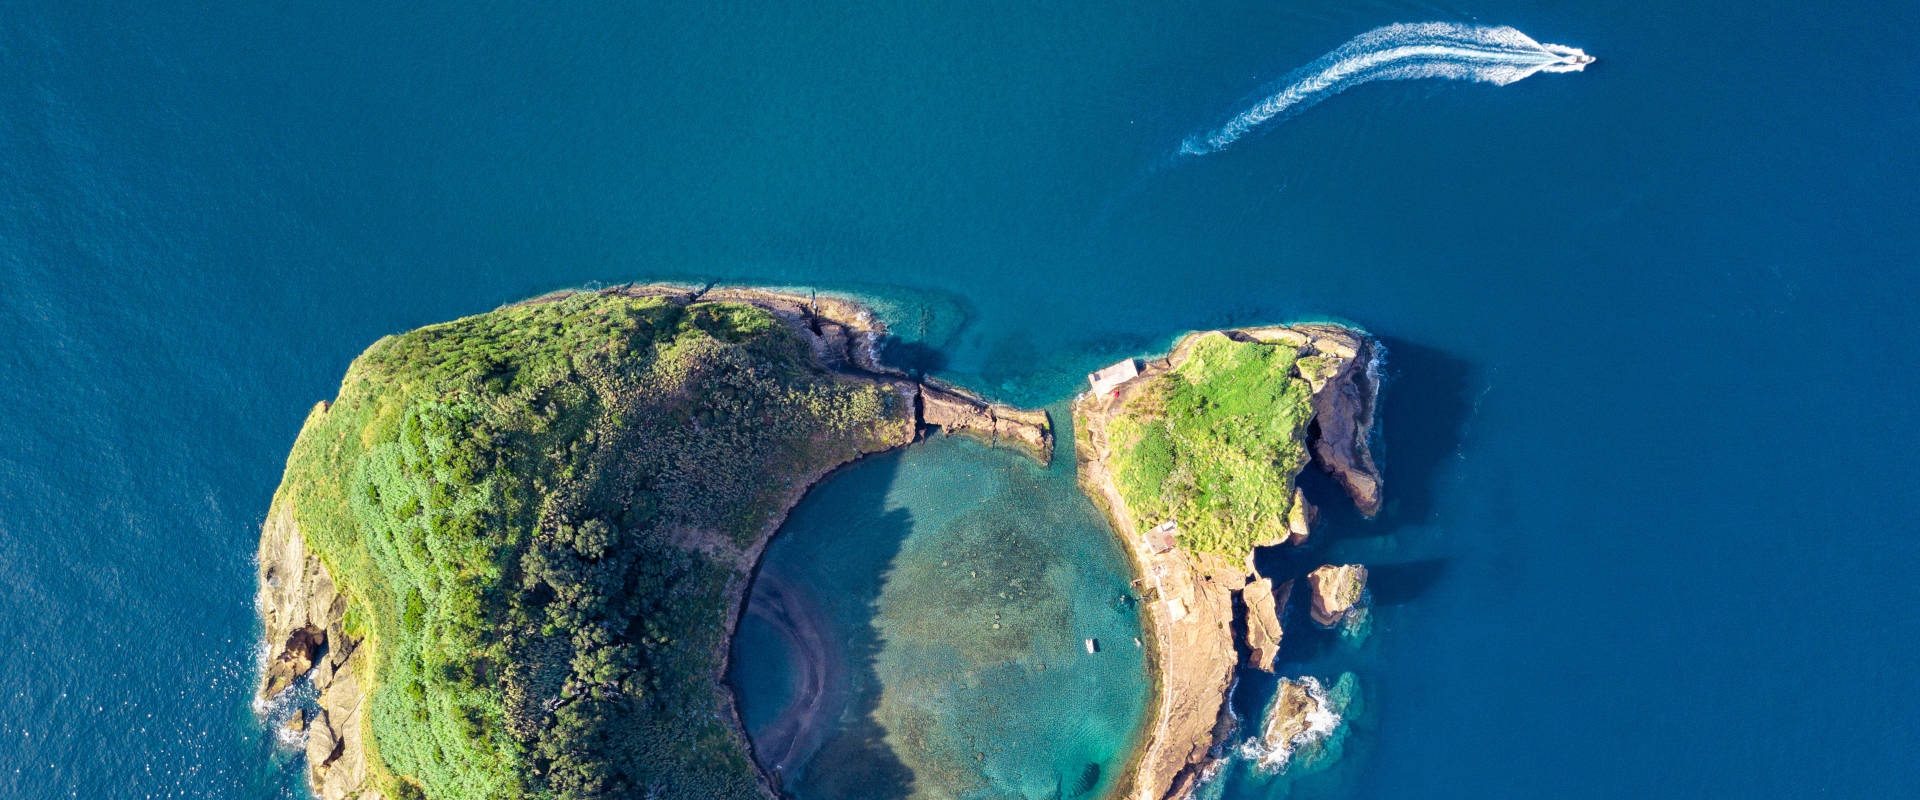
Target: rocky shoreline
(1191,653)
(303,612)
(1190,620)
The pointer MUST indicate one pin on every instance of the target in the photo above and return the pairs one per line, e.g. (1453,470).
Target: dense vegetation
(536,513)
(1215,444)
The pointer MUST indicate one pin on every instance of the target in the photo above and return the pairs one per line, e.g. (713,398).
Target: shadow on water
(1424,407)
(856,763)
(1423,410)
(1397,584)
(828,732)
(916,358)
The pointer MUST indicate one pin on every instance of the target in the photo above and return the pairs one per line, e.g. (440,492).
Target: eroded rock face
(294,659)
(301,608)
(955,411)
(1337,363)
(1336,589)
(1300,518)
(1028,428)
(1290,719)
(339,771)
(1263,621)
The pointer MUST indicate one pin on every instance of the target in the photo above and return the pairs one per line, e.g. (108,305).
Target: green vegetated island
(510,554)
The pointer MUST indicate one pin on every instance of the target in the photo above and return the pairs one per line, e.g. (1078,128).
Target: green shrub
(499,498)
(1215,444)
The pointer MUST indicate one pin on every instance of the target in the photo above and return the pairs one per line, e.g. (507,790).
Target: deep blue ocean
(1649,433)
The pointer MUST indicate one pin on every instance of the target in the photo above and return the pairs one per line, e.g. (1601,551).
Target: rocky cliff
(1190,608)
(1336,591)
(1264,607)
(303,615)
(303,612)
(1339,364)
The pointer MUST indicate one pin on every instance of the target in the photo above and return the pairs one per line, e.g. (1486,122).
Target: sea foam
(1322,722)
(1404,51)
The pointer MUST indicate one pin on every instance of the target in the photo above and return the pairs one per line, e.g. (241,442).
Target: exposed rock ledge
(1336,591)
(1190,624)
(1340,365)
(1264,607)
(1290,719)
(303,612)
(956,410)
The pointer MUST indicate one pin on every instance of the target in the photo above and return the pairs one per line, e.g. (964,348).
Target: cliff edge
(1193,456)
(512,552)
(305,615)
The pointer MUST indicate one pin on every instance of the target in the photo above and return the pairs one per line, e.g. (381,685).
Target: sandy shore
(820,673)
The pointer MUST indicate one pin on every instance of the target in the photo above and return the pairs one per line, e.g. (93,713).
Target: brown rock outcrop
(294,659)
(1336,589)
(300,606)
(1300,518)
(1289,720)
(955,411)
(1263,621)
(1339,366)
(1193,654)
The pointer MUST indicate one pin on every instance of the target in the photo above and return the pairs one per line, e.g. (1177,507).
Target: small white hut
(1160,539)
(1109,379)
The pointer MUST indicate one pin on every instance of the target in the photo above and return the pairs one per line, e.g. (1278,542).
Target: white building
(1160,539)
(1109,379)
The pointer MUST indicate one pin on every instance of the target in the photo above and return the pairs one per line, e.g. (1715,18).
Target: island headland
(1193,457)
(510,554)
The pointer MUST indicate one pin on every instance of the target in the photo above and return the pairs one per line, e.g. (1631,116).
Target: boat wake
(1404,51)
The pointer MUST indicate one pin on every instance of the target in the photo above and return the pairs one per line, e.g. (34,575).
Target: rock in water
(956,411)
(1263,622)
(1336,590)
(1290,718)
(295,658)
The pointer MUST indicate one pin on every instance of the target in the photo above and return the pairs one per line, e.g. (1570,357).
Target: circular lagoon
(920,628)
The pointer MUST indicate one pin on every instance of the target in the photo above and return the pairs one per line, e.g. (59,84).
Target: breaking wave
(1322,722)
(1404,51)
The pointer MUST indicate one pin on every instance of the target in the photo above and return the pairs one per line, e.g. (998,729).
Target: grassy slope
(1215,444)
(501,495)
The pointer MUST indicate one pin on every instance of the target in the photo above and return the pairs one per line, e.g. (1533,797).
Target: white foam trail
(1403,51)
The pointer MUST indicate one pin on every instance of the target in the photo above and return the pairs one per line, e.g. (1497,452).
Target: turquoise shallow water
(1648,429)
(951,588)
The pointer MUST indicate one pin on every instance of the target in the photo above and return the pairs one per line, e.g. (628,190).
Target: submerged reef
(1194,457)
(511,552)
